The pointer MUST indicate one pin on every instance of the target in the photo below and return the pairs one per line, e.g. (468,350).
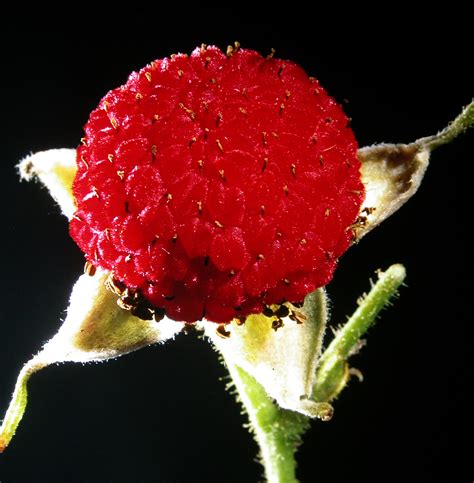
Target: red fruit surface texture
(214,184)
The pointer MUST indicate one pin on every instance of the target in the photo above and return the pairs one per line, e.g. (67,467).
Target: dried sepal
(95,329)
(280,353)
(55,169)
(392,173)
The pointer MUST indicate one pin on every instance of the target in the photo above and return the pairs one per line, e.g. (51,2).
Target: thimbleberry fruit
(214,184)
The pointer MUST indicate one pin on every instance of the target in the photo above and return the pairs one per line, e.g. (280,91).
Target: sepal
(95,329)
(282,357)
(55,169)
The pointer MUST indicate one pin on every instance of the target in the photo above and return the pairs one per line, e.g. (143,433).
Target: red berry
(213,184)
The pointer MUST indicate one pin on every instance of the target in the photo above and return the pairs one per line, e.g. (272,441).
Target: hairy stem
(333,371)
(277,431)
(464,121)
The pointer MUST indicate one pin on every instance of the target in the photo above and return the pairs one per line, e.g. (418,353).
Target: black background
(162,414)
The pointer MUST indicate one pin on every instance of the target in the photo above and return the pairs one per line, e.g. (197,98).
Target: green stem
(333,371)
(464,121)
(277,431)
